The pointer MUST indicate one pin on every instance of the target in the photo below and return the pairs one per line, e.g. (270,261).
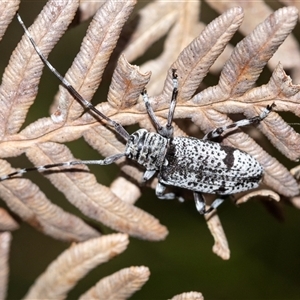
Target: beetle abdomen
(209,167)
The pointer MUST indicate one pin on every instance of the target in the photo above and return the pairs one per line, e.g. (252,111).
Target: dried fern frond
(262,11)
(42,140)
(73,264)
(120,285)
(190,47)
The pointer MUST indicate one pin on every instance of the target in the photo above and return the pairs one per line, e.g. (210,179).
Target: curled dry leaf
(120,285)
(131,85)
(235,93)
(73,264)
(262,193)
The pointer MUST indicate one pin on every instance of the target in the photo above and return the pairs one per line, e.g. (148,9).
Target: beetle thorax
(147,148)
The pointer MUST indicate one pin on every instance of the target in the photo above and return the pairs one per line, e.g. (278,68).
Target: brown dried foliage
(193,51)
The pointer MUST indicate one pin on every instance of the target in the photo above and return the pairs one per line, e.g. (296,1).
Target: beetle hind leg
(200,203)
(241,123)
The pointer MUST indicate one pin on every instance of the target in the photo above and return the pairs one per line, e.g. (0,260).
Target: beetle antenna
(83,102)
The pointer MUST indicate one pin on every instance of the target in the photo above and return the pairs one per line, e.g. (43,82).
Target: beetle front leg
(166,131)
(148,174)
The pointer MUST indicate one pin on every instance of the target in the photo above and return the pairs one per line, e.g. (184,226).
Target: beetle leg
(148,174)
(241,123)
(200,203)
(160,188)
(214,205)
(166,131)
(107,161)
(159,191)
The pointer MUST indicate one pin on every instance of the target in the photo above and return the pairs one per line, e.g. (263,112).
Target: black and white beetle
(202,166)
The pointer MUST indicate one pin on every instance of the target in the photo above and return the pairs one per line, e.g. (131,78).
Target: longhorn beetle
(202,166)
